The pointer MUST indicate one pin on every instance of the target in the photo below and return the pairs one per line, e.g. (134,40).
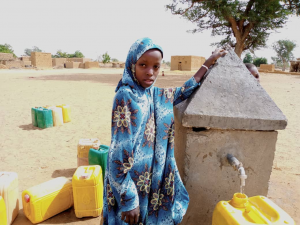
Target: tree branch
(187,8)
(233,23)
(248,8)
(247,31)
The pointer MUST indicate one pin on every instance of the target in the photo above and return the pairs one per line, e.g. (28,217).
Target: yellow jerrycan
(47,199)
(9,190)
(66,112)
(57,115)
(83,148)
(88,191)
(3,217)
(241,210)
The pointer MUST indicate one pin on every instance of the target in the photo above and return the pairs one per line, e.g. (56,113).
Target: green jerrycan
(44,118)
(33,115)
(99,157)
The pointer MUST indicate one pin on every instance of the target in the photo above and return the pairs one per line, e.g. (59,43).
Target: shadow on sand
(64,173)
(29,127)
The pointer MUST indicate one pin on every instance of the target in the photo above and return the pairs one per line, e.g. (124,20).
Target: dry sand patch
(39,155)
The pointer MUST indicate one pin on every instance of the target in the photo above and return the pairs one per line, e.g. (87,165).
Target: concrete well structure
(186,63)
(229,113)
(41,59)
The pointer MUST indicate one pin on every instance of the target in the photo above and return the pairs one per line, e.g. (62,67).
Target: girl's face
(147,67)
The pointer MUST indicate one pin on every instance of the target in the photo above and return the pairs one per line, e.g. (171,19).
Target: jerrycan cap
(239,200)
(85,175)
(27,198)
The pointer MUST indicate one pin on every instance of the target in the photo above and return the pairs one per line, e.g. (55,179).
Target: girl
(142,183)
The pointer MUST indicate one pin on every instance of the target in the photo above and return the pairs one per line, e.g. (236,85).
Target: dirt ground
(39,155)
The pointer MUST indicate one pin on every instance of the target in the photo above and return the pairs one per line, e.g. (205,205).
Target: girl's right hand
(132,216)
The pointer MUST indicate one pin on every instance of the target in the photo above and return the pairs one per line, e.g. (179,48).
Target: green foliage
(105,58)
(258,61)
(167,63)
(6,48)
(278,62)
(283,49)
(60,54)
(248,58)
(114,60)
(28,51)
(77,54)
(244,24)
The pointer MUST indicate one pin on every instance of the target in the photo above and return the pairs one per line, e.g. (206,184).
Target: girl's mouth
(148,81)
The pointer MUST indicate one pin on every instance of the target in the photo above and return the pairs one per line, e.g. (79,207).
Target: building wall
(58,61)
(25,58)
(188,63)
(41,59)
(71,65)
(268,67)
(197,62)
(82,60)
(89,65)
(13,64)
(6,56)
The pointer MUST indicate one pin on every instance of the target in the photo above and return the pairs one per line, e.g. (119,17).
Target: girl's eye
(156,67)
(143,65)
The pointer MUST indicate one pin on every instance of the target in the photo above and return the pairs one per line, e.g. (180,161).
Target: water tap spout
(237,165)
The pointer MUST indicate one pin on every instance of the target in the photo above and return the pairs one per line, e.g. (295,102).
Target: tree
(114,60)
(248,58)
(6,48)
(246,24)
(77,54)
(60,54)
(283,49)
(105,58)
(28,51)
(258,61)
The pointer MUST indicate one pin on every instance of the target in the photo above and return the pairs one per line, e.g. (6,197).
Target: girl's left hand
(217,54)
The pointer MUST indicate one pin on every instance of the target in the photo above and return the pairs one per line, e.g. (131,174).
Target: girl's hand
(216,54)
(210,61)
(132,216)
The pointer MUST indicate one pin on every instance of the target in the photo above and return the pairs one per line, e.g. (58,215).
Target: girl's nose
(150,72)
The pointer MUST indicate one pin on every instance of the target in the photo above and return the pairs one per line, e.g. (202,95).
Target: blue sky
(98,26)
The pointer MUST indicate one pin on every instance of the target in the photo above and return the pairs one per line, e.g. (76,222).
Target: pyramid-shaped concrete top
(231,98)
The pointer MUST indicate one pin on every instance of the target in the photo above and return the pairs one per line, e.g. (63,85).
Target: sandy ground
(39,155)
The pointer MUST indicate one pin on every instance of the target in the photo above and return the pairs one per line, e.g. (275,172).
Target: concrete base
(201,160)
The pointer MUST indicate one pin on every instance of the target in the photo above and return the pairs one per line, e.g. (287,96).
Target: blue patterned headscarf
(135,52)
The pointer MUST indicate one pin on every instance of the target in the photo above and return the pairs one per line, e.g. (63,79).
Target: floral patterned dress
(141,168)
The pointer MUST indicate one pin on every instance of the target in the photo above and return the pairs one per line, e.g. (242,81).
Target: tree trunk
(283,65)
(239,47)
